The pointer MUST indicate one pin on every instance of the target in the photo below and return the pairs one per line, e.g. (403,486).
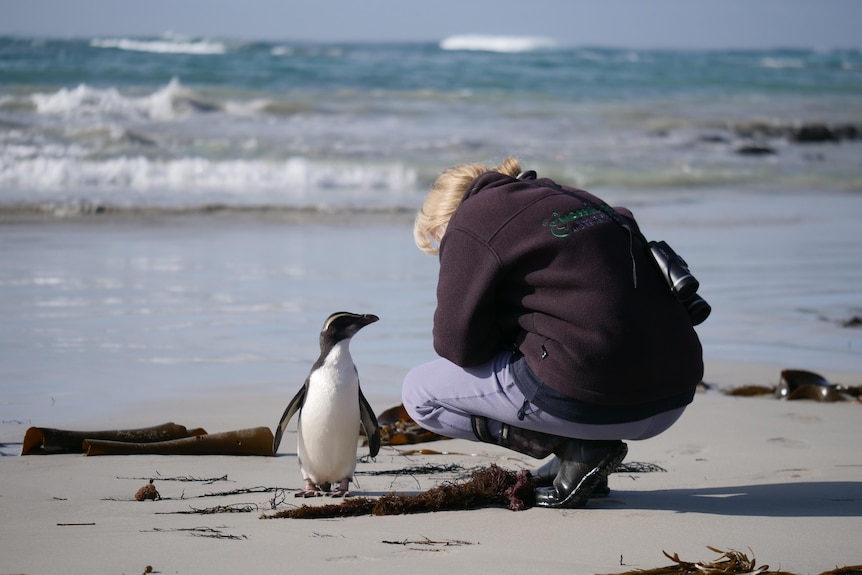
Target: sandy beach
(128,322)
(777,480)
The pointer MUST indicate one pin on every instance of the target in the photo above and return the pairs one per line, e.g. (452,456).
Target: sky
(705,24)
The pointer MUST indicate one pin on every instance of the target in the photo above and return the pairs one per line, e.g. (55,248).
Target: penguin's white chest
(328,428)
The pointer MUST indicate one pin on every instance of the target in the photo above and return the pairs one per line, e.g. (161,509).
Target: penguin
(331,407)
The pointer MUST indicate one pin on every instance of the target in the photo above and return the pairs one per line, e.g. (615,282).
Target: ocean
(175,122)
(179,215)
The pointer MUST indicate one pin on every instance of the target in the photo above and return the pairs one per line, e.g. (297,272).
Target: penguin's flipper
(369,423)
(292,407)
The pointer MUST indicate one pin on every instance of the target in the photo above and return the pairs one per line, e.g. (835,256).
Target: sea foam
(84,100)
(295,181)
(496,43)
(164,46)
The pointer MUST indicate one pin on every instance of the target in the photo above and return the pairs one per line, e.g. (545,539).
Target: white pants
(441,397)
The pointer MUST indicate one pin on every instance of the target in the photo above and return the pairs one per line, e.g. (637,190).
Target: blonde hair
(445,197)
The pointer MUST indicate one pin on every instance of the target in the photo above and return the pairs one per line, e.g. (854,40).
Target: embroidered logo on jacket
(562,226)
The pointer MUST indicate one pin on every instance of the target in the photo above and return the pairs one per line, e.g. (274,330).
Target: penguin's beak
(368,318)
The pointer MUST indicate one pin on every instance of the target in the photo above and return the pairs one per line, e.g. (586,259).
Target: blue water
(174,121)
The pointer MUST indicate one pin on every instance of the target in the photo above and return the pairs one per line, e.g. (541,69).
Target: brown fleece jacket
(524,265)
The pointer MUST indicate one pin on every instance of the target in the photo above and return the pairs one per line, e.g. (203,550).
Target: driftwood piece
(45,440)
(254,441)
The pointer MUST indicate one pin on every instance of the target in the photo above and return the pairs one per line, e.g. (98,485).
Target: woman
(556,332)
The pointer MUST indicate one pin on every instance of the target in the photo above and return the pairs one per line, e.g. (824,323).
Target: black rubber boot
(584,465)
(532,443)
(544,475)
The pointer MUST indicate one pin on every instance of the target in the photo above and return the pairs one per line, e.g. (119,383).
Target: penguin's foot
(343,489)
(311,489)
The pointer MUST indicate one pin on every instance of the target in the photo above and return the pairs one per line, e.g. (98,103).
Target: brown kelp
(492,485)
(729,563)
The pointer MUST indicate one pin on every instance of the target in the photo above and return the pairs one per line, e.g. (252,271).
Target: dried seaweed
(639,467)
(242,491)
(429,542)
(183,478)
(274,502)
(211,532)
(148,491)
(254,441)
(46,440)
(408,452)
(729,563)
(231,508)
(796,384)
(417,470)
(488,486)
(76,524)
(398,428)
(751,390)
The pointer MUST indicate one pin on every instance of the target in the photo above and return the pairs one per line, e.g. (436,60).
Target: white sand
(777,480)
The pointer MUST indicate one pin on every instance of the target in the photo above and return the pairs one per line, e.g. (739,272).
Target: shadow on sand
(804,499)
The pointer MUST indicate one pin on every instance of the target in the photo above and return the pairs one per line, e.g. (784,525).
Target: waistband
(565,407)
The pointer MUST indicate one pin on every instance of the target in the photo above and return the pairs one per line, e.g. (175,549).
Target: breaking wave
(508,44)
(167,45)
(127,181)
